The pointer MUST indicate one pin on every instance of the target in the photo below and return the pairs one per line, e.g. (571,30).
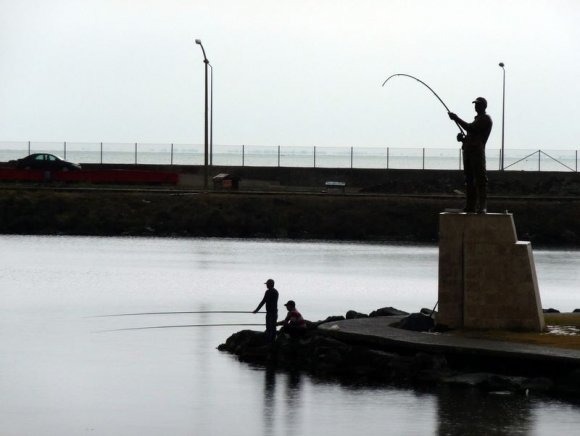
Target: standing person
(271,301)
(293,324)
(474,156)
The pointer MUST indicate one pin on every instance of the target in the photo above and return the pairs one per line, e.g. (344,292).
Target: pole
(205,149)
(502,65)
(211,119)
(351,157)
(314,156)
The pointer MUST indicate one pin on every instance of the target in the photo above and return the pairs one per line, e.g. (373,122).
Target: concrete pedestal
(487,278)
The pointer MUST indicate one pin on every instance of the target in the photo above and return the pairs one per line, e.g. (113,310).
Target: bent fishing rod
(429,88)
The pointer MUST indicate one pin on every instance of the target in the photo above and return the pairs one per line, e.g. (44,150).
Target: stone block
(487,279)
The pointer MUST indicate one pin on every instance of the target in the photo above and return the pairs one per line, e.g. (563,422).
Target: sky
(289,72)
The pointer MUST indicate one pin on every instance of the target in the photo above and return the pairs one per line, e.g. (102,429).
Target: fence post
(64,150)
(172,153)
(351,157)
(539,158)
(501,158)
(278,156)
(28,147)
(101,153)
(243,155)
(314,156)
(135,153)
(423,157)
(387,157)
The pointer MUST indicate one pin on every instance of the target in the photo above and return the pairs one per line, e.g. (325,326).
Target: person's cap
(290,303)
(269,282)
(481,100)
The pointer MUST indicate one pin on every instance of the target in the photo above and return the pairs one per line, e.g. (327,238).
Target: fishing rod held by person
(430,89)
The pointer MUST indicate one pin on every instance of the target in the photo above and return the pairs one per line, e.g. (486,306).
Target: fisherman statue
(473,147)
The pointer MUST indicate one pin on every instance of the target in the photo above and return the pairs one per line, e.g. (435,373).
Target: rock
(417,322)
(352,314)
(402,367)
(550,310)
(428,312)
(334,318)
(242,340)
(538,384)
(426,361)
(387,311)
(314,324)
(569,383)
(569,236)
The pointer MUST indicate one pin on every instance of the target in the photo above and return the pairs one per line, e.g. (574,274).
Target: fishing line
(177,326)
(171,313)
(429,88)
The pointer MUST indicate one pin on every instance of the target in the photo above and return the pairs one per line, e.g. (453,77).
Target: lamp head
(501,64)
(198,41)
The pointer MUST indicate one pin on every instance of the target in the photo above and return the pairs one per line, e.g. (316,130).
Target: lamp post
(205,153)
(502,65)
(211,118)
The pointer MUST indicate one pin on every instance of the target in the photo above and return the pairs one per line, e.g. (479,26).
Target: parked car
(45,161)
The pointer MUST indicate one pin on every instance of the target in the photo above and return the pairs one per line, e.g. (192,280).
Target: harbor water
(68,368)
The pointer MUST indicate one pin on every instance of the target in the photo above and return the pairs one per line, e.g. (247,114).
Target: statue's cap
(481,100)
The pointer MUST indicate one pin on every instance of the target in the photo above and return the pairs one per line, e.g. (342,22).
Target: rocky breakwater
(354,358)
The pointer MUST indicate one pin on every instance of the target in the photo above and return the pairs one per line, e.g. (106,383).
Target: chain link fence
(289,156)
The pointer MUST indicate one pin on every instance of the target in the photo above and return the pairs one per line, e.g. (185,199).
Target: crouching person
(293,325)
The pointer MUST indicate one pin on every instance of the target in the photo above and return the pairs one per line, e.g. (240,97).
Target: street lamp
(501,64)
(198,41)
(211,118)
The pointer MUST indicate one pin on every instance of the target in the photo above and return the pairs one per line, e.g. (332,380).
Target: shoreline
(372,350)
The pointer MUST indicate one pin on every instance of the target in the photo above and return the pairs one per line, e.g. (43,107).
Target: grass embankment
(562,332)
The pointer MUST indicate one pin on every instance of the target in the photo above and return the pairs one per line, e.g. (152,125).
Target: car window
(50,157)
(39,157)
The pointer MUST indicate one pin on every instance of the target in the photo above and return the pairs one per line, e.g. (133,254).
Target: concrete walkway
(378,332)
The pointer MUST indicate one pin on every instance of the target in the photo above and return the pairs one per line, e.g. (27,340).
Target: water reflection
(269,401)
(473,412)
(283,411)
(294,406)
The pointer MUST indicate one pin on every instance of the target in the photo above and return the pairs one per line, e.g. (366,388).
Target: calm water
(62,372)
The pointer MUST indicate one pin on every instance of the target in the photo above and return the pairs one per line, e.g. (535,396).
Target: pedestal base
(487,278)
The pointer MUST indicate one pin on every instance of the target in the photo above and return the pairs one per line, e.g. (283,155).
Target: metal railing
(289,156)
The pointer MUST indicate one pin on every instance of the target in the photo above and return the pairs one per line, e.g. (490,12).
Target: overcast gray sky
(291,73)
